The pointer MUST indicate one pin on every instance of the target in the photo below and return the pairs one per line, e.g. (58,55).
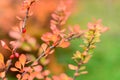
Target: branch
(53,47)
(81,61)
(26,16)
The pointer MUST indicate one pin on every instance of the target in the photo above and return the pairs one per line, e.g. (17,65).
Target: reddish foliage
(27,66)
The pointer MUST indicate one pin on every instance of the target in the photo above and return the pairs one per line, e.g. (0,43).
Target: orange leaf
(22,59)
(1,58)
(87,59)
(44,46)
(46,73)
(2,64)
(18,65)
(4,45)
(2,74)
(18,76)
(72,67)
(64,44)
(14,69)
(25,76)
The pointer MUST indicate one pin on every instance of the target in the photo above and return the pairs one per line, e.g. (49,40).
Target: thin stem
(26,16)
(77,71)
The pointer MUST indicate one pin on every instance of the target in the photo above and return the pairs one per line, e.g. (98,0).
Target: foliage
(28,68)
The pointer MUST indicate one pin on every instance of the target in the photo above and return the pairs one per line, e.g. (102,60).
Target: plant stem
(81,61)
(26,16)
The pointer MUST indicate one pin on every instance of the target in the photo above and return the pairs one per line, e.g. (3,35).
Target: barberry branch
(26,17)
(50,48)
(81,61)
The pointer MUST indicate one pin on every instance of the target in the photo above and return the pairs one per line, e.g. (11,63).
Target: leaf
(30,58)
(4,45)
(18,65)
(47,78)
(82,68)
(64,44)
(25,76)
(84,72)
(22,59)
(44,46)
(1,58)
(46,37)
(72,67)
(87,58)
(18,76)
(14,69)
(77,55)
(2,64)
(37,68)
(2,74)
(46,73)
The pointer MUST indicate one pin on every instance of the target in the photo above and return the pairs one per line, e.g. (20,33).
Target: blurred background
(104,64)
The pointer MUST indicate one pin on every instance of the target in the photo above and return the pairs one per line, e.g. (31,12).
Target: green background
(105,64)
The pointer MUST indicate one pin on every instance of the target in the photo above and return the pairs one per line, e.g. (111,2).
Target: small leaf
(18,76)
(44,46)
(87,58)
(25,76)
(22,59)
(4,45)
(14,69)
(18,65)
(37,68)
(64,44)
(46,73)
(82,68)
(72,67)
(2,74)
(1,58)
(84,72)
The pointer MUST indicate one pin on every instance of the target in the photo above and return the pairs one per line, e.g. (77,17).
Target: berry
(16,55)
(12,56)
(23,30)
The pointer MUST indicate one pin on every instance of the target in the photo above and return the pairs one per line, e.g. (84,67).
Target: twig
(26,16)
(77,70)
(81,61)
